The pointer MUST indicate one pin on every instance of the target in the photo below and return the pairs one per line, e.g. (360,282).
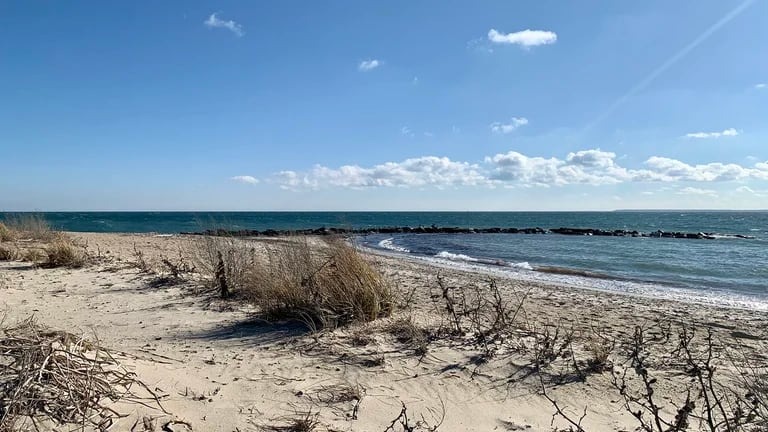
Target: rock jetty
(433,229)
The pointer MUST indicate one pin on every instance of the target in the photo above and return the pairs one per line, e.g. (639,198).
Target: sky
(387,105)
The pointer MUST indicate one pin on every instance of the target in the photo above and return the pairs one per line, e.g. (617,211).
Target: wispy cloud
(405,130)
(726,133)
(525,38)
(505,128)
(367,65)
(514,169)
(696,191)
(214,22)
(761,86)
(245,179)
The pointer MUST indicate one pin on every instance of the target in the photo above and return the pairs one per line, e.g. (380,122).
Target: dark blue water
(726,270)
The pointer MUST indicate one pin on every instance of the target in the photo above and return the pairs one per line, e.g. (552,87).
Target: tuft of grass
(407,332)
(33,255)
(64,253)
(6,234)
(306,422)
(329,287)
(226,260)
(30,226)
(9,254)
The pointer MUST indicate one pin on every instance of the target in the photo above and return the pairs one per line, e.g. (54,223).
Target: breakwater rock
(433,229)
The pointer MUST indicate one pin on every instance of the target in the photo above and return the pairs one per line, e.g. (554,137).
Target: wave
(466,258)
(456,257)
(390,245)
(731,236)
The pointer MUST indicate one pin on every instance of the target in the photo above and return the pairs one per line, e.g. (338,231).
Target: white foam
(456,257)
(523,265)
(390,245)
(469,259)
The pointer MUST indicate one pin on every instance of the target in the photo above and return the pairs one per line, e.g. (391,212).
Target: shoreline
(578,279)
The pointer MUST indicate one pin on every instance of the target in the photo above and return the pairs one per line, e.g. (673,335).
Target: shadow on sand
(252,332)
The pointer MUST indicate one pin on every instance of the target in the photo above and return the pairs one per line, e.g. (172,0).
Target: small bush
(63,253)
(328,287)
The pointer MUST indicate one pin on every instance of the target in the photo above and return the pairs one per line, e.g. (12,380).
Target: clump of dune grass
(323,286)
(64,253)
(29,226)
(33,255)
(8,253)
(227,261)
(6,234)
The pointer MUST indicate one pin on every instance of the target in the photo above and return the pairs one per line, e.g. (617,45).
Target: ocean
(726,271)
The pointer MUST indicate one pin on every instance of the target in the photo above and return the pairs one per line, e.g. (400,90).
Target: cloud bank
(514,169)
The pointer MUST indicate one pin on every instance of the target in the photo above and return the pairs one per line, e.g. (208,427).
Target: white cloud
(726,133)
(245,179)
(696,191)
(512,169)
(405,130)
(416,172)
(214,22)
(668,170)
(584,167)
(525,38)
(761,86)
(367,65)
(513,124)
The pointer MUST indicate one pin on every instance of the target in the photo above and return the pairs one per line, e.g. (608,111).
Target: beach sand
(219,368)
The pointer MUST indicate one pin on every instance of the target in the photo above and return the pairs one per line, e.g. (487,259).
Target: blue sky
(397,105)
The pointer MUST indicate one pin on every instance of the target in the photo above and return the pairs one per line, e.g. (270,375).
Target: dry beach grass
(316,335)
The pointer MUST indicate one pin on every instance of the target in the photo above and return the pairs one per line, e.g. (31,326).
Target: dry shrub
(599,354)
(6,234)
(64,253)
(329,286)
(56,377)
(9,254)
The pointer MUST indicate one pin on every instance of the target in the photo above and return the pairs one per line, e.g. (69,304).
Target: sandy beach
(215,365)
